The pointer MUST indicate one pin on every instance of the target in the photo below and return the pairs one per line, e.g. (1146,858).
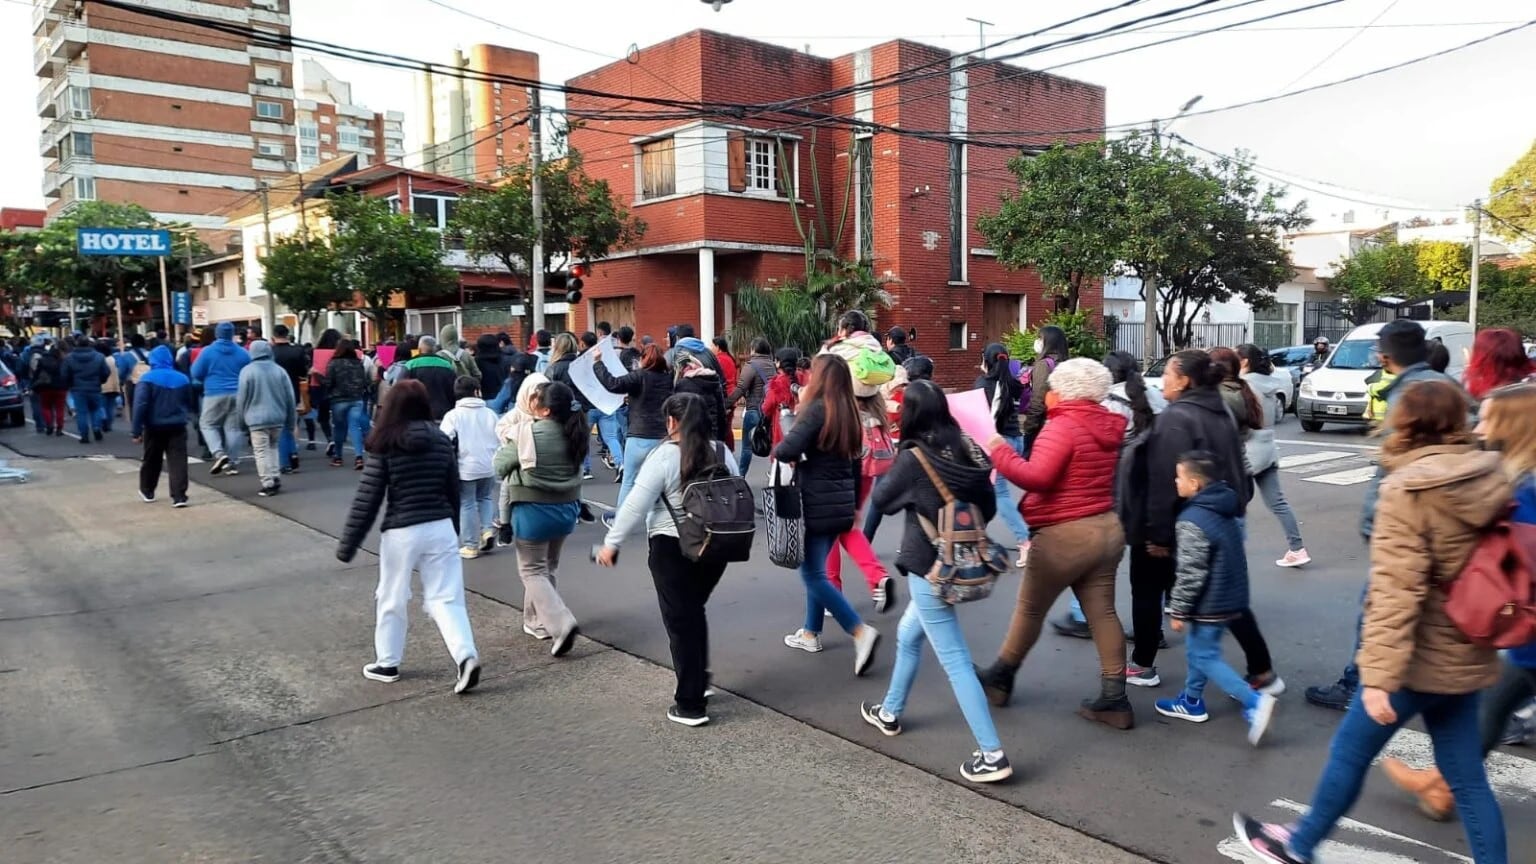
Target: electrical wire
(1345,44)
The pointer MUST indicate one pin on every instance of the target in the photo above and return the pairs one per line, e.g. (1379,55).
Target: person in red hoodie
(783,398)
(1069,503)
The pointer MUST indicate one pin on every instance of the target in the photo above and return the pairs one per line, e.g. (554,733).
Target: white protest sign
(586,381)
(611,360)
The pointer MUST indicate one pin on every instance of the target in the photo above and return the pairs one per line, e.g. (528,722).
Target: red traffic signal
(577,271)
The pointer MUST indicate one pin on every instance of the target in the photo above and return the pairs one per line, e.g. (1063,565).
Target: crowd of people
(465,450)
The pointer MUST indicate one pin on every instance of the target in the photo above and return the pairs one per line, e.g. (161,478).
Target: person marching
(264,400)
(472,428)
(162,404)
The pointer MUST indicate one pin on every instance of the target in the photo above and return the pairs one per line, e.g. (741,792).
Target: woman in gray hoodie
(264,400)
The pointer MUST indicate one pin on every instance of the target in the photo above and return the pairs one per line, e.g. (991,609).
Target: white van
(1335,391)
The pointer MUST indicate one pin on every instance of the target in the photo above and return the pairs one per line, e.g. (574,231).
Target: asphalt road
(1164,790)
(182,685)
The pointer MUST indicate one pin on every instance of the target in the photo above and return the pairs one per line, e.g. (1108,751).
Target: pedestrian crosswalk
(1331,467)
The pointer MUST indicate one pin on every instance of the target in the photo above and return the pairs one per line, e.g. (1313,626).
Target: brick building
(716,194)
(180,119)
(471,128)
(329,124)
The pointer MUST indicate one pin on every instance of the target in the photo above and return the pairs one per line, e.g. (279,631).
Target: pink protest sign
(971,411)
(384,355)
(322,358)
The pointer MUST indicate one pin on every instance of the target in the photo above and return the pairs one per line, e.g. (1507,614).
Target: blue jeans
(608,430)
(36,401)
(1452,725)
(1202,650)
(872,517)
(477,509)
(622,415)
(349,415)
(820,595)
(1007,508)
(749,420)
(287,446)
(635,451)
(107,411)
(931,619)
(87,411)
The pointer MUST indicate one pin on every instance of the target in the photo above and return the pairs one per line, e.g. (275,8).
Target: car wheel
(18,417)
(1311,426)
(1284,408)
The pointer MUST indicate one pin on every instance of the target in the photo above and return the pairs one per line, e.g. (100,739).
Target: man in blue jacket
(162,403)
(217,372)
(85,370)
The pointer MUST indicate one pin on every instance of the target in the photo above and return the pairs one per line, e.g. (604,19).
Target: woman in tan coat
(1438,495)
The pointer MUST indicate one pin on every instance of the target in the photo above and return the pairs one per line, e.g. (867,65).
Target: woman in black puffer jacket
(647,388)
(826,445)
(413,466)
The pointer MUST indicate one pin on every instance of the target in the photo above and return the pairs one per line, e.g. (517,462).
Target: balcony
(48,142)
(66,40)
(42,61)
(52,181)
(47,100)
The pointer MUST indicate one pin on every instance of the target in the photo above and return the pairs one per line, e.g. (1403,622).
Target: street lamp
(716,4)
(1149,320)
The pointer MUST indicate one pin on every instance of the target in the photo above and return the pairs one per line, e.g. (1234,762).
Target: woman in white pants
(413,465)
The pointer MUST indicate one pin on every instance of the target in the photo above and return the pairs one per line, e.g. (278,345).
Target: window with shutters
(762,165)
(864,157)
(658,168)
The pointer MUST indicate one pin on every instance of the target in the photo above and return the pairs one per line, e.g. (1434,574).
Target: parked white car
(1335,392)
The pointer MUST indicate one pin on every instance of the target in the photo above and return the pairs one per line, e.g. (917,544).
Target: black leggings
(682,589)
(1151,581)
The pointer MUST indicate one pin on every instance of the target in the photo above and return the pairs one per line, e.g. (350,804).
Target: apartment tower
(471,128)
(330,125)
(182,120)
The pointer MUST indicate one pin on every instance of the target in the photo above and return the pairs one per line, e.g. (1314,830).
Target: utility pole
(981,35)
(1149,286)
(165,296)
(1477,254)
(179,325)
(266,239)
(536,162)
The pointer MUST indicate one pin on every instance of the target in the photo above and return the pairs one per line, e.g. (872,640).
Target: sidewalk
(183,685)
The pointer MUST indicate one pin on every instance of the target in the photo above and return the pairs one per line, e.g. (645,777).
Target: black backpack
(49,374)
(717,522)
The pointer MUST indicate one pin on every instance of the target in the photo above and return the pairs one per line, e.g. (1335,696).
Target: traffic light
(573,283)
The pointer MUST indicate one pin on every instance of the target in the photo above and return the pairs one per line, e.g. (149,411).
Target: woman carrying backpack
(545,492)
(47,374)
(682,586)
(783,398)
(1003,391)
(1506,426)
(1437,497)
(879,455)
(931,440)
(825,446)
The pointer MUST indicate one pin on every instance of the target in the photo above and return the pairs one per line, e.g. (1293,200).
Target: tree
(582,219)
(1374,272)
(1246,257)
(787,316)
(380,253)
(305,275)
(1512,200)
(1062,221)
(1506,298)
(1445,265)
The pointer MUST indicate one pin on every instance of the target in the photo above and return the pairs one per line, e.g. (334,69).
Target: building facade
(180,119)
(726,202)
(472,128)
(330,125)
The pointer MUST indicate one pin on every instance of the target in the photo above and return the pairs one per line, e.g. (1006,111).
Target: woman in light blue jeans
(933,448)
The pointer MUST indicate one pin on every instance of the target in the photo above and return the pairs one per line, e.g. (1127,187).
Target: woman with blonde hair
(1438,495)
(1505,426)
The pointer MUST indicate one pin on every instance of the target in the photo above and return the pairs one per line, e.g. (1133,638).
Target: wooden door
(999,314)
(617,311)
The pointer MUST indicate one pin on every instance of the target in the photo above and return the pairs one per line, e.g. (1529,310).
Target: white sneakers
(1298,558)
(805,640)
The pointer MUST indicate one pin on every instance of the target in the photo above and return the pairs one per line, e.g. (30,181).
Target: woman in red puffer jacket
(1069,500)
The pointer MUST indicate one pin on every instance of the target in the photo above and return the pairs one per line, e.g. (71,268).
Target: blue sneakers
(1182,708)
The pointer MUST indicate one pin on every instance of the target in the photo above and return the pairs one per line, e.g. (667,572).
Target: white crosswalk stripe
(1298,460)
(1344,478)
(1331,467)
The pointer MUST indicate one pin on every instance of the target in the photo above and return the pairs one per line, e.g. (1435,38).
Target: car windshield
(1355,354)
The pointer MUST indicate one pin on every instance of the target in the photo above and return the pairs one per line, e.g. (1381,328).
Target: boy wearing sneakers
(472,428)
(1210,589)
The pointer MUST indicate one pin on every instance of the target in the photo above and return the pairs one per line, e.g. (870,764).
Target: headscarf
(516,426)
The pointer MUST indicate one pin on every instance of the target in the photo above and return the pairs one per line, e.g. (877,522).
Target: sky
(1427,137)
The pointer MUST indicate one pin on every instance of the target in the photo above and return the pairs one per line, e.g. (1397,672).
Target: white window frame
(77,96)
(271,75)
(261,106)
(309,131)
(759,149)
(347,136)
(85,188)
(271,148)
(310,152)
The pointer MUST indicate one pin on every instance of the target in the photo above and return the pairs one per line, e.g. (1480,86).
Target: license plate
(1338,409)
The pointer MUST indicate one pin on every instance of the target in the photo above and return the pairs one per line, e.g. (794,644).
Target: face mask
(1039,346)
